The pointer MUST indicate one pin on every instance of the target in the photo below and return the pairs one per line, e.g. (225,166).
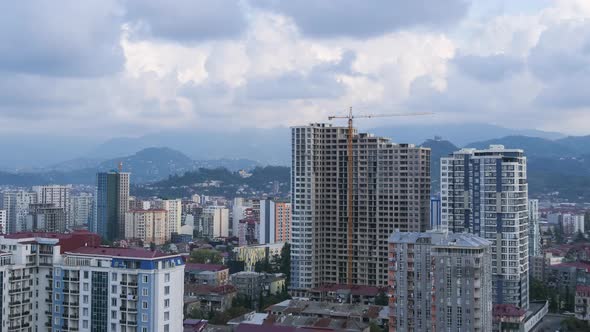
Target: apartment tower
(112,202)
(485,192)
(391,191)
(439,281)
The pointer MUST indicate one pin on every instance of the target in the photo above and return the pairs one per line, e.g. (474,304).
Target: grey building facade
(439,282)
(391,191)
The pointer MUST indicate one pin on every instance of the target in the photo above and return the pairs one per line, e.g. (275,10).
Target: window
(57,296)
(57,271)
(114,289)
(85,324)
(114,301)
(166,303)
(86,275)
(56,308)
(167,328)
(144,304)
(57,284)
(114,276)
(85,299)
(85,312)
(144,318)
(113,314)
(167,277)
(166,290)
(166,315)
(145,279)
(56,320)
(144,329)
(86,286)
(144,292)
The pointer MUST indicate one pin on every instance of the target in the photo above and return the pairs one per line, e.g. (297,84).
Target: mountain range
(559,164)
(34,153)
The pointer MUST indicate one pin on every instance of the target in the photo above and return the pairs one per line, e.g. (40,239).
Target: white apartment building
(391,191)
(88,289)
(3,221)
(214,222)
(57,195)
(81,210)
(118,289)
(534,230)
(174,209)
(485,192)
(149,226)
(16,203)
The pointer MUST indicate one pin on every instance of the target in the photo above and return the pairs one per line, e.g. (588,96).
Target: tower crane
(350,188)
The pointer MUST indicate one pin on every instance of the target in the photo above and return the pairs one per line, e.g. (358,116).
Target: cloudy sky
(130,67)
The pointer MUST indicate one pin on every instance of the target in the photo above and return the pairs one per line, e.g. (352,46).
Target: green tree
(538,290)
(285,265)
(381,299)
(205,256)
(373,327)
(573,324)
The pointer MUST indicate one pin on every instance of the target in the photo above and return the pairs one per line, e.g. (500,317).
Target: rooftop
(192,267)
(583,291)
(354,289)
(463,240)
(507,310)
(118,252)
(209,289)
(579,265)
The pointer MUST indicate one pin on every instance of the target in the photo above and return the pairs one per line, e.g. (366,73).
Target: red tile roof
(204,267)
(66,241)
(583,291)
(507,310)
(579,265)
(119,252)
(208,289)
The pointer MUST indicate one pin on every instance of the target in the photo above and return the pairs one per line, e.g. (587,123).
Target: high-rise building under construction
(391,190)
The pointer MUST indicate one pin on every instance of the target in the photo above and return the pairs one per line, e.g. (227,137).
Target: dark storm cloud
(488,68)
(72,38)
(366,18)
(186,20)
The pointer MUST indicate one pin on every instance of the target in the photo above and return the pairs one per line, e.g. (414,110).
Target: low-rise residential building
(206,274)
(345,294)
(565,277)
(509,318)
(250,255)
(252,284)
(207,298)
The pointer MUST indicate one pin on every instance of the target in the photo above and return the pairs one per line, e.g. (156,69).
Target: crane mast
(350,177)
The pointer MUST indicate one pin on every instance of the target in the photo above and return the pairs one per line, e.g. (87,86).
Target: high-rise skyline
(391,191)
(112,202)
(485,192)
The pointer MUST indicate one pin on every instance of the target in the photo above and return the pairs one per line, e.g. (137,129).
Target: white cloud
(132,68)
